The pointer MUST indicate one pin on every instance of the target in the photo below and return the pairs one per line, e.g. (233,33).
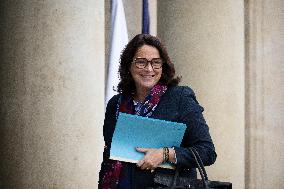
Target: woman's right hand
(152,159)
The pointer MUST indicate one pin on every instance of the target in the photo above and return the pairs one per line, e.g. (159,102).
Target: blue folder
(136,131)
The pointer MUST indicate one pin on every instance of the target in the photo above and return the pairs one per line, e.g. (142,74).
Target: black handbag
(167,181)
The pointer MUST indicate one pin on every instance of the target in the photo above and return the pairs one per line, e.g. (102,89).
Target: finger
(144,150)
(140,163)
(145,166)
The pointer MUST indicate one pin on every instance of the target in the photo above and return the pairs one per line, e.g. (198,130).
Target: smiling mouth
(147,76)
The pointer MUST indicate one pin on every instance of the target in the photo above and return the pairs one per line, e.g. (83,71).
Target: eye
(140,61)
(157,61)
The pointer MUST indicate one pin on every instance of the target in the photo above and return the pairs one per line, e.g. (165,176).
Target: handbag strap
(200,167)
(200,162)
(204,181)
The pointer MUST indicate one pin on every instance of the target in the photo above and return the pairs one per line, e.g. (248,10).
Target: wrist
(172,155)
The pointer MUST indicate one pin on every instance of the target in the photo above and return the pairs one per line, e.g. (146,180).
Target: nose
(149,66)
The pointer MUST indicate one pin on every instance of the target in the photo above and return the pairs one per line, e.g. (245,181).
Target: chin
(148,86)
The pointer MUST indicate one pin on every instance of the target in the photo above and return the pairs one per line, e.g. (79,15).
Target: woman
(148,87)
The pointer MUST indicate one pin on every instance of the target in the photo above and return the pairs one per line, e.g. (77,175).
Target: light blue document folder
(136,131)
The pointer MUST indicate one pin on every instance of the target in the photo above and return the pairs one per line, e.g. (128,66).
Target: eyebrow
(146,58)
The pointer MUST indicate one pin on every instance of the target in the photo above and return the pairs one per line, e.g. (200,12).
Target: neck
(141,94)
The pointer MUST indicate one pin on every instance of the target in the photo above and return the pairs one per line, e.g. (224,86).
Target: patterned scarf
(127,105)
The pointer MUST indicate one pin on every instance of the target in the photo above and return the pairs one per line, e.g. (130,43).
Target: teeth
(147,76)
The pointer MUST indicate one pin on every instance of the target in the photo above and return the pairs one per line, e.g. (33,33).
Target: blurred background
(55,58)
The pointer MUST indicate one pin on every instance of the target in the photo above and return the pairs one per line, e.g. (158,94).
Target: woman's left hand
(152,159)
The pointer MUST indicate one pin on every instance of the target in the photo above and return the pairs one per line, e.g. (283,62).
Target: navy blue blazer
(178,104)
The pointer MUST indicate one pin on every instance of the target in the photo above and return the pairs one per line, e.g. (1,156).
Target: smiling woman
(145,75)
(148,88)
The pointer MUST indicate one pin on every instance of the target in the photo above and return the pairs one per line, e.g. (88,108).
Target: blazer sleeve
(108,129)
(109,124)
(196,135)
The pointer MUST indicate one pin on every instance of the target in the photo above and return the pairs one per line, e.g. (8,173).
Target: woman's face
(146,78)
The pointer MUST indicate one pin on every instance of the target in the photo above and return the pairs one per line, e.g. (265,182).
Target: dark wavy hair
(126,85)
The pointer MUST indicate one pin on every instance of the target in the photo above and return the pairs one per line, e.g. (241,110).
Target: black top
(178,104)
